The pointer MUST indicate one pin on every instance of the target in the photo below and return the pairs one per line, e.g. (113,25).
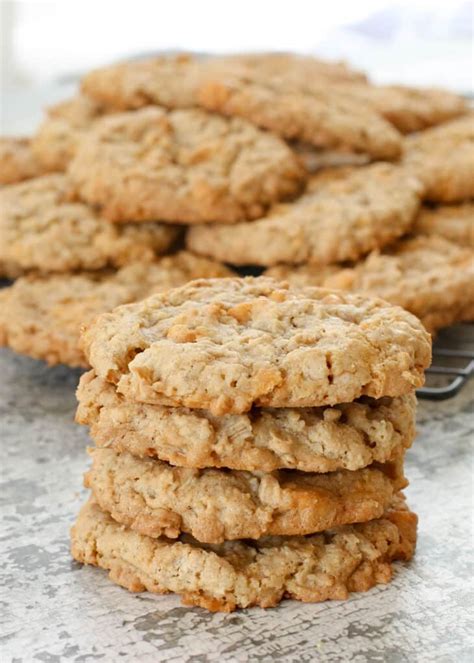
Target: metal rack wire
(446,368)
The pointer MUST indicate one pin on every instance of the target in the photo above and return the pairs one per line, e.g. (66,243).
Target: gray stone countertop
(55,610)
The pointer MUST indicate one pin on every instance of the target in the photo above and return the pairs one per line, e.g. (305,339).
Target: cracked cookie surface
(344,214)
(185,166)
(228,344)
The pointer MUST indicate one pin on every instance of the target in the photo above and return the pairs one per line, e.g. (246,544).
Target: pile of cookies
(174,168)
(250,438)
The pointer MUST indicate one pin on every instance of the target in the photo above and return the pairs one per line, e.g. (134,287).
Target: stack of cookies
(249,442)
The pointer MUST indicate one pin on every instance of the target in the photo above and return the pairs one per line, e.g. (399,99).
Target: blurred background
(47,45)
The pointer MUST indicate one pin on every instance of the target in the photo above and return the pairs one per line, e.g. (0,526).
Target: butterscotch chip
(347,436)
(238,575)
(184,166)
(429,276)
(225,345)
(60,133)
(155,498)
(343,216)
(41,316)
(42,229)
(17,161)
(407,108)
(453,222)
(443,158)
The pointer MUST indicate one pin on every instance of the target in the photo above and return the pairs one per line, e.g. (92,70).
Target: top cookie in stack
(253,389)
(231,344)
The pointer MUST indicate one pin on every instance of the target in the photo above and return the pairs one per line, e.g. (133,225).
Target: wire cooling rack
(453,363)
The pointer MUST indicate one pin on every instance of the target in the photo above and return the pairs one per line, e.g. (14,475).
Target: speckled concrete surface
(55,610)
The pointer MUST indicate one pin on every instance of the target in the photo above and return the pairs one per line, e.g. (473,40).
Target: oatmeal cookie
(295,97)
(237,574)
(157,499)
(344,214)
(174,81)
(347,436)
(443,159)
(185,166)
(42,229)
(228,344)
(319,114)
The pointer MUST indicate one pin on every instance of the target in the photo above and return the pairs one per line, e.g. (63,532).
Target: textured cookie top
(225,345)
(17,161)
(348,436)
(173,81)
(42,316)
(295,97)
(453,222)
(184,166)
(443,158)
(429,276)
(57,138)
(323,103)
(407,108)
(236,574)
(345,214)
(319,114)
(157,499)
(299,69)
(43,229)
(169,82)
